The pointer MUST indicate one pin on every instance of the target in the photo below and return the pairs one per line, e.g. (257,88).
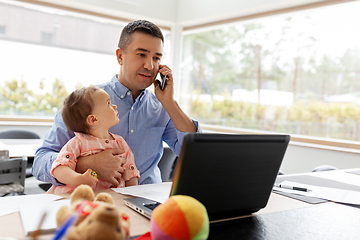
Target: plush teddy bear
(92,218)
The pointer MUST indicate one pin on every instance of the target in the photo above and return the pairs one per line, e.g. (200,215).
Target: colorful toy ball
(180,218)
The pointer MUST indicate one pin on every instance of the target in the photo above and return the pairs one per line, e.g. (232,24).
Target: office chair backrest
(18,134)
(166,164)
(21,134)
(12,175)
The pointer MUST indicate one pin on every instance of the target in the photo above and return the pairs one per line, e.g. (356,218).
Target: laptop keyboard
(152,206)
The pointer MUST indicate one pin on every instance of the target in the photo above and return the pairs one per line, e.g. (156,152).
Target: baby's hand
(89,178)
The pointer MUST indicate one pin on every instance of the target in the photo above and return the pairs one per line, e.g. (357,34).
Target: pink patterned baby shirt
(86,144)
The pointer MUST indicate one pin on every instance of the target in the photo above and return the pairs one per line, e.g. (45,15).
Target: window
(47,53)
(296,73)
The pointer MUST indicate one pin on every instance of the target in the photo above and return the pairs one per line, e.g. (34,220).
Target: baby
(88,112)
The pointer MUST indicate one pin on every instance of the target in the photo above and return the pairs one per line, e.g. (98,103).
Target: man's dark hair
(77,107)
(138,26)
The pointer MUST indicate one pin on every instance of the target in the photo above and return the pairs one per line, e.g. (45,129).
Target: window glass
(47,53)
(296,73)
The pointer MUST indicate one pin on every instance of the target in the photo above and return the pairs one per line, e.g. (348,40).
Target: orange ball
(180,218)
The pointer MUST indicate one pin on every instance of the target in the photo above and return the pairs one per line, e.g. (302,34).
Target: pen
(35,234)
(294,188)
(61,231)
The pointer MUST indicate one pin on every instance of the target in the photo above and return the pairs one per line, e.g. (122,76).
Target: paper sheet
(332,194)
(343,177)
(11,204)
(157,192)
(31,215)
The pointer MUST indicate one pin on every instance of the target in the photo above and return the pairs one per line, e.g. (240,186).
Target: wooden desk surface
(11,226)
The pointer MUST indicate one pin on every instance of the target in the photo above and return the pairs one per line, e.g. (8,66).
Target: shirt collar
(121,91)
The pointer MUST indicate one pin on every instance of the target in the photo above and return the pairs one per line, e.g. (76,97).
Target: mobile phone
(162,82)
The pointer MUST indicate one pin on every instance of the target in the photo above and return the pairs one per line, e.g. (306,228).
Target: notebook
(232,175)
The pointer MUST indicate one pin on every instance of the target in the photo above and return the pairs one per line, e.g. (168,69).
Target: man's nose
(149,64)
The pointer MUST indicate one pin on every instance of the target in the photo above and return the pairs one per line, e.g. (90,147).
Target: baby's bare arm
(131,182)
(68,176)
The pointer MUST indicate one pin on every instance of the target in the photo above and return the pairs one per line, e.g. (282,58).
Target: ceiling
(185,13)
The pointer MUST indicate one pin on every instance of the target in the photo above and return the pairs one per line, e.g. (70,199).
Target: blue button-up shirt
(144,124)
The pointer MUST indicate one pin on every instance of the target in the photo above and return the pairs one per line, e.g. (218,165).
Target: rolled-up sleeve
(176,137)
(55,138)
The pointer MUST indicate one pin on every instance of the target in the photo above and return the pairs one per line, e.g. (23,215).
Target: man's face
(140,63)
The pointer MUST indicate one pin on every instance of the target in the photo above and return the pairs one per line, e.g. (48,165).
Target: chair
(21,134)
(18,134)
(167,164)
(12,176)
(45,186)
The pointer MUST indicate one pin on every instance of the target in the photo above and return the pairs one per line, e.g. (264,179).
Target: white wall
(300,159)
(161,12)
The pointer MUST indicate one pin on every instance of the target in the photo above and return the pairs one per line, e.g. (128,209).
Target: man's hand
(168,93)
(107,164)
(166,97)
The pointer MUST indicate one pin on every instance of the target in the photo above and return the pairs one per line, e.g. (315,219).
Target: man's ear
(92,120)
(119,54)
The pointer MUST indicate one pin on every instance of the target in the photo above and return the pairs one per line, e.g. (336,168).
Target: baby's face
(104,110)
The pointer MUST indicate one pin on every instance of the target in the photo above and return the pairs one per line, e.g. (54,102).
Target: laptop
(232,175)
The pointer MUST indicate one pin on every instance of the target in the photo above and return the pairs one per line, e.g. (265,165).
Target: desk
(10,225)
(20,147)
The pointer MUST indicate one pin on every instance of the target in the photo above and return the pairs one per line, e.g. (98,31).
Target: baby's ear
(92,120)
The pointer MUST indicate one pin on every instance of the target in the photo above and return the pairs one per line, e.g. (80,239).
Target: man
(145,120)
